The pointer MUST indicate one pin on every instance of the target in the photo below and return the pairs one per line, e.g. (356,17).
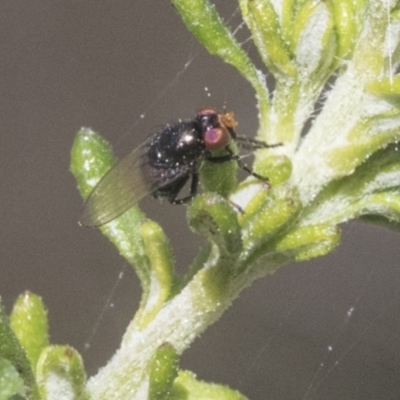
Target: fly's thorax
(177,145)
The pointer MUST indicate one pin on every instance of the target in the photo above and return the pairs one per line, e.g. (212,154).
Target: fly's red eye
(216,138)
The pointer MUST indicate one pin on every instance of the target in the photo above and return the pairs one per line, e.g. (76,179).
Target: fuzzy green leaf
(276,168)
(163,371)
(314,42)
(263,21)
(187,387)
(162,277)
(387,89)
(11,350)
(91,158)
(374,188)
(60,374)
(29,323)
(346,15)
(213,216)
(309,242)
(276,209)
(219,178)
(11,384)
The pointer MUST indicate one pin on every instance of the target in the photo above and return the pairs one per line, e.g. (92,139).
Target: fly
(164,164)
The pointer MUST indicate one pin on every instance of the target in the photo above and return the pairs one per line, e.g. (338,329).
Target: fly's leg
(246,168)
(253,144)
(231,156)
(193,191)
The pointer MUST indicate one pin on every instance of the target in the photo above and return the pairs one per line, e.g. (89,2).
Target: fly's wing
(120,189)
(124,185)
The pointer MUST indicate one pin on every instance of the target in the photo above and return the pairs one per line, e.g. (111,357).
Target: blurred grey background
(326,329)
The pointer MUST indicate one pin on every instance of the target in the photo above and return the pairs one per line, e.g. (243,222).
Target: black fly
(164,163)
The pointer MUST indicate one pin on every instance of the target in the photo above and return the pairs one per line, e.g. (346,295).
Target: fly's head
(217,129)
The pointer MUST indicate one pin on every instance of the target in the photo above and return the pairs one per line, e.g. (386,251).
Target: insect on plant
(165,162)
